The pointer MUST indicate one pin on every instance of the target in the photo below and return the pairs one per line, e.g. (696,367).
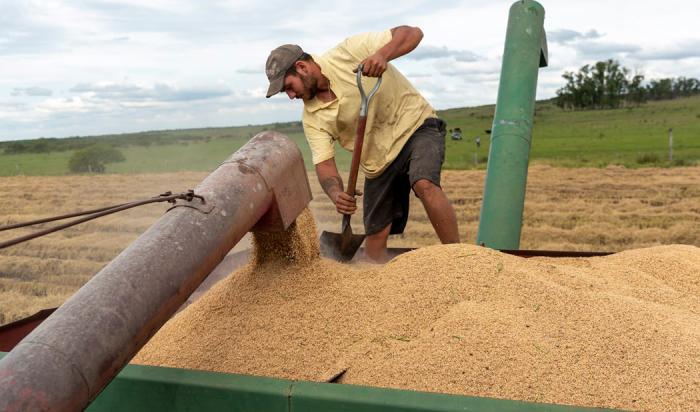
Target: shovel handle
(356,154)
(361,124)
(345,226)
(365,98)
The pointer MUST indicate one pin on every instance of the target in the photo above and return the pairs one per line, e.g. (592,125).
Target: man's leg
(375,245)
(385,206)
(440,211)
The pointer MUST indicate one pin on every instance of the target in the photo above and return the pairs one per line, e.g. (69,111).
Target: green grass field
(632,137)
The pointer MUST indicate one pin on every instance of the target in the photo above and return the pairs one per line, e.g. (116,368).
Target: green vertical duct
(504,191)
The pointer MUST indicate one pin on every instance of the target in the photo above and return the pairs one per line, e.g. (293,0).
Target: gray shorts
(386,197)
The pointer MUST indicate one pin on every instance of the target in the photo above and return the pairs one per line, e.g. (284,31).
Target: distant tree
(15,147)
(603,85)
(93,159)
(577,93)
(612,83)
(684,87)
(607,85)
(636,92)
(660,89)
(41,146)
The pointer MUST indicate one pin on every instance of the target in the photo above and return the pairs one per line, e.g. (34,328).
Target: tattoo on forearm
(330,183)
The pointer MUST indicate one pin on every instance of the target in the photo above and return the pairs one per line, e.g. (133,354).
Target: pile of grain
(621,331)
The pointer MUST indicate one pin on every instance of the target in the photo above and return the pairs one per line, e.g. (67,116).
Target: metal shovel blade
(341,246)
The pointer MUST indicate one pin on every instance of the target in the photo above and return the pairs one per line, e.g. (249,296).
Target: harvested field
(619,331)
(609,209)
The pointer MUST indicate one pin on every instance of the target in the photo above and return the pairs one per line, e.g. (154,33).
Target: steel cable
(91,214)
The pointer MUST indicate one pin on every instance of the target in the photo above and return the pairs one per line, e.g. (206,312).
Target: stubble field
(610,209)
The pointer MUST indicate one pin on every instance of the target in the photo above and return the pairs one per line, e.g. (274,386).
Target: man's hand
(332,184)
(374,66)
(345,204)
(403,40)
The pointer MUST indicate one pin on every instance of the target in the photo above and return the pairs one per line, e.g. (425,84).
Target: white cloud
(567,36)
(687,49)
(130,92)
(31,91)
(434,52)
(77,67)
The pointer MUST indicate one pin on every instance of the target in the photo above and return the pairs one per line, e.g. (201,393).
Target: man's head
(289,69)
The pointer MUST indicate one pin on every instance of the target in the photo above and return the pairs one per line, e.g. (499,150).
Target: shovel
(343,246)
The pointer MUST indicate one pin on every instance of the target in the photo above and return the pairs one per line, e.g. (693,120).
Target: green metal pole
(504,191)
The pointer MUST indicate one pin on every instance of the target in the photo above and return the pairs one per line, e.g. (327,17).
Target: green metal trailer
(152,389)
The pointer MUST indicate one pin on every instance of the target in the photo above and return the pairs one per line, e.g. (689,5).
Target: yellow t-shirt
(395,111)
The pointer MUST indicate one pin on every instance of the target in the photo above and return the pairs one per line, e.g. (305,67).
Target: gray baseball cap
(279,61)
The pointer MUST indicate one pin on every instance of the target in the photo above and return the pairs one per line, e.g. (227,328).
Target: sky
(80,67)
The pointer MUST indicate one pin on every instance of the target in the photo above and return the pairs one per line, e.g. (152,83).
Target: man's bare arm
(329,178)
(332,184)
(404,39)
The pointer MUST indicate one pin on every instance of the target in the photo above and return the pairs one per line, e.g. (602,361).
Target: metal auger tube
(67,361)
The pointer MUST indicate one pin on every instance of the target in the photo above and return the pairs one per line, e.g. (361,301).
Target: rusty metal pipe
(65,362)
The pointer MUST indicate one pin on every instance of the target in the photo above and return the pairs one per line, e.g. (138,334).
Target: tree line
(155,138)
(607,85)
(53,144)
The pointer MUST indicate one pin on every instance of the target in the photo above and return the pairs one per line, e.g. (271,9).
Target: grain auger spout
(65,362)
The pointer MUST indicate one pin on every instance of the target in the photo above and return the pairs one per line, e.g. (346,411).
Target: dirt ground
(609,209)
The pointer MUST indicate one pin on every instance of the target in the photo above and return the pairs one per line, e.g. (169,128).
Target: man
(404,144)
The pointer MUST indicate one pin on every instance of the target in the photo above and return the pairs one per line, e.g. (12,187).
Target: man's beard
(310,86)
